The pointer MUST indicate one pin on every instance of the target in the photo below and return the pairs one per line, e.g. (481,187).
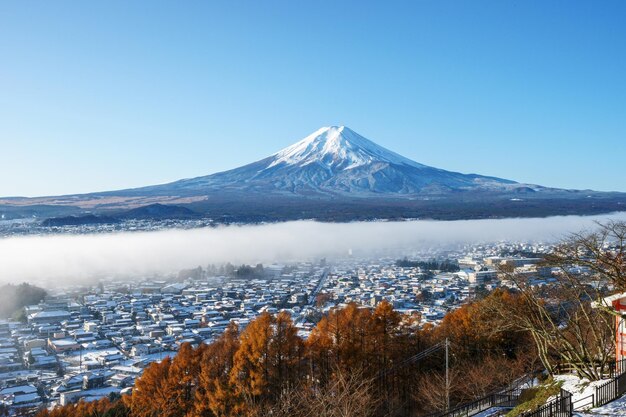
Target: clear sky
(108,95)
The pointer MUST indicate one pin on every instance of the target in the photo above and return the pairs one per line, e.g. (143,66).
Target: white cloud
(50,260)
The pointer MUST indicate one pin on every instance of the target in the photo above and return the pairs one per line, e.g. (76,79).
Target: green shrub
(533,398)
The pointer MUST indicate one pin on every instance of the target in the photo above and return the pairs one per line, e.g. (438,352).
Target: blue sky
(110,95)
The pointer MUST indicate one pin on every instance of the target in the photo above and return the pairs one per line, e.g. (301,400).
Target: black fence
(584,403)
(620,367)
(561,406)
(610,390)
(507,399)
(607,392)
(610,369)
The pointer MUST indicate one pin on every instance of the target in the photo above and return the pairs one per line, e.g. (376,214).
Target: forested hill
(355,357)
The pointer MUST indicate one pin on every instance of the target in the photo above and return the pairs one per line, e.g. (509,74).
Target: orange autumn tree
(267,358)
(152,394)
(250,373)
(340,339)
(286,352)
(268,365)
(215,395)
(183,377)
(103,407)
(475,331)
(383,325)
(355,337)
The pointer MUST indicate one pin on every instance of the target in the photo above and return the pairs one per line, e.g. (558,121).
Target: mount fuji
(337,161)
(333,174)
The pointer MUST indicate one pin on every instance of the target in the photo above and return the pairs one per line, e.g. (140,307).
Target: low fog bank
(61,259)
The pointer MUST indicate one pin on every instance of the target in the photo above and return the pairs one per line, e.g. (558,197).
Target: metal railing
(620,367)
(507,399)
(610,369)
(610,390)
(584,403)
(561,406)
(607,392)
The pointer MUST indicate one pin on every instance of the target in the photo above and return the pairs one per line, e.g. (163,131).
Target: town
(92,341)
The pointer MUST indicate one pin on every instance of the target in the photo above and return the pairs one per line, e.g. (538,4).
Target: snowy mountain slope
(333,174)
(337,147)
(336,160)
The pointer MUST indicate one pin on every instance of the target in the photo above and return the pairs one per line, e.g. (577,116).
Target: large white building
(48,317)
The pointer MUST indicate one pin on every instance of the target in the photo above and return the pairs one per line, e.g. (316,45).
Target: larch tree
(251,365)
(286,350)
(152,394)
(215,395)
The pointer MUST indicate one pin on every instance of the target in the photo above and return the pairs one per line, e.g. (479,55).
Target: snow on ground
(490,412)
(582,389)
(614,408)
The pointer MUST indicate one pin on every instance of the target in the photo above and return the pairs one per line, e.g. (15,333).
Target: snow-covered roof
(608,301)
(24,389)
(50,313)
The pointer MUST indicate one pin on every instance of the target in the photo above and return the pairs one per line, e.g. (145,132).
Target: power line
(417,357)
(421,355)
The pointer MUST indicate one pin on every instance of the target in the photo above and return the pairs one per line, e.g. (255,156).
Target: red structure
(618,303)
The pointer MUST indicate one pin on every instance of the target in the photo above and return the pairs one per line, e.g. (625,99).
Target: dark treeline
(13,298)
(522,253)
(227,270)
(355,362)
(247,271)
(445,265)
(234,271)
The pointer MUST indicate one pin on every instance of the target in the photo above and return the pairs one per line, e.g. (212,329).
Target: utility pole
(436,348)
(447,379)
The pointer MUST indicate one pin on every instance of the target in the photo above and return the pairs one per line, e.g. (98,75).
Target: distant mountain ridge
(149,212)
(78,220)
(333,174)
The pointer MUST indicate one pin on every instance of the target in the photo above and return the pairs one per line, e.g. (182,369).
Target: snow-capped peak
(337,147)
